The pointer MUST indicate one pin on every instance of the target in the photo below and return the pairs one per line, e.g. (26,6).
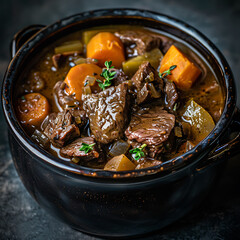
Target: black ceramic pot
(125,203)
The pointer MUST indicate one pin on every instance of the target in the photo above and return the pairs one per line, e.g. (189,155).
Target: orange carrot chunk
(32,109)
(186,72)
(105,46)
(76,76)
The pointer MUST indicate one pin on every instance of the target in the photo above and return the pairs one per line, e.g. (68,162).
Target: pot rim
(177,163)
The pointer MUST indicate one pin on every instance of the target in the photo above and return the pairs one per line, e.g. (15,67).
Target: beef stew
(118,98)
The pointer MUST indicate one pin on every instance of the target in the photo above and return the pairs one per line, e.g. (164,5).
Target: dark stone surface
(218,217)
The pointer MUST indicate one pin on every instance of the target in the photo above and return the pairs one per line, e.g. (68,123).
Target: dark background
(218,217)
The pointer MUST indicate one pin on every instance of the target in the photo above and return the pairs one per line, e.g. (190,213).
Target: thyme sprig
(167,72)
(138,152)
(86,147)
(108,75)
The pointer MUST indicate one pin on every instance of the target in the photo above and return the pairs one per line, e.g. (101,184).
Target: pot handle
(230,148)
(22,36)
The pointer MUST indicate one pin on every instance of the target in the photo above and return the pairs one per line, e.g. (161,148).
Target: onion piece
(40,138)
(118,148)
(86,90)
(154,92)
(89,80)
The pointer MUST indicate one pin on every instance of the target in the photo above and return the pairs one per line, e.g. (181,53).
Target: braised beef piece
(107,112)
(171,94)
(142,79)
(62,98)
(79,116)
(61,128)
(143,42)
(73,149)
(119,77)
(145,163)
(152,127)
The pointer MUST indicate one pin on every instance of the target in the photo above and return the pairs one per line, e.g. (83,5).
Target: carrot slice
(105,46)
(186,72)
(77,74)
(32,109)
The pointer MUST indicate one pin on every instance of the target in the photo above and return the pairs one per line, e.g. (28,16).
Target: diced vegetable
(199,119)
(32,108)
(78,120)
(80,61)
(119,163)
(178,132)
(86,90)
(85,60)
(76,76)
(132,65)
(87,35)
(118,148)
(40,138)
(75,160)
(89,80)
(72,46)
(105,46)
(186,72)
(154,92)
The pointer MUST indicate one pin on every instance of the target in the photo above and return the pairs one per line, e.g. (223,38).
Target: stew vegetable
(118,98)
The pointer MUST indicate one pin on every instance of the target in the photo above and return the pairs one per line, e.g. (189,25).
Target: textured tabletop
(218,217)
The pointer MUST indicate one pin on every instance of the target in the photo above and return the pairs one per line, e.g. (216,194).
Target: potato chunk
(199,119)
(186,72)
(119,163)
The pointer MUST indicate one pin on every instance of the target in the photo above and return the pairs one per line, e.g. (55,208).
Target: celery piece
(73,46)
(131,66)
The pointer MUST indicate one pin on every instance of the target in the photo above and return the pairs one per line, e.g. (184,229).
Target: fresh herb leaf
(86,147)
(138,152)
(22,97)
(167,72)
(107,74)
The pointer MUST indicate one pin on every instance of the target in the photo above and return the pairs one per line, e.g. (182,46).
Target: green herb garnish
(138,152)
(86,147)
(22,97)
(108,75)
(167,72)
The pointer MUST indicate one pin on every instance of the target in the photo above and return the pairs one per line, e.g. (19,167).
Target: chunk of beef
(171,94)
(145,163)
(107,112)
(119,77)
(144,42)
(73,149)
(62,99)
(61,128)
(79,116)
(151,127)
(142,79)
